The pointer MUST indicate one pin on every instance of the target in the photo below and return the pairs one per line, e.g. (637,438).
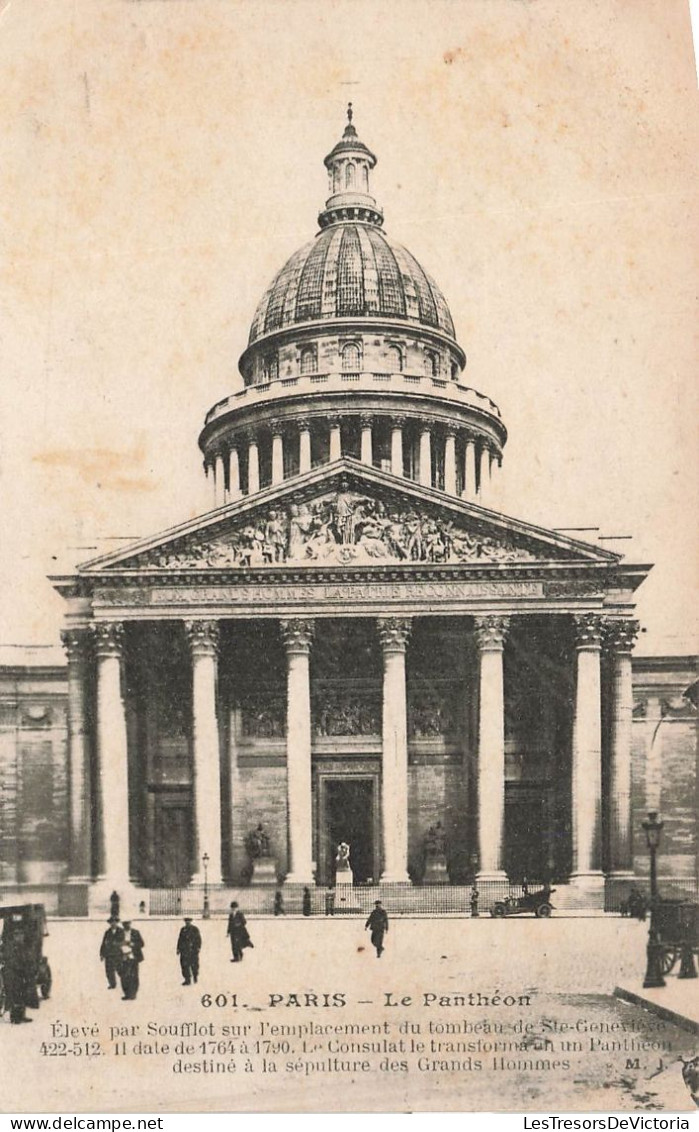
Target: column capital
(366,420)
(276,427)
(588,630)
(108,638)
(398,421)
(203,637)
(76,643)
(450,430)
(303,424)
(619,635)
(394,633)
(333,420)
(470,437)
(298,634)
(491,632)
(250,435)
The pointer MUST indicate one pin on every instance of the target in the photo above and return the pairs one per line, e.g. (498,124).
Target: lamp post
(654,952)
(205,862)
(653,828)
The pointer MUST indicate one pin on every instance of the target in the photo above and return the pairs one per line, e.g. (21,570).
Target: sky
(161,159)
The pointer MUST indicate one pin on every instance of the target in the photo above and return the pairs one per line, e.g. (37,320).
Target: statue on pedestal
(435,856)
(264,868)
(342,863)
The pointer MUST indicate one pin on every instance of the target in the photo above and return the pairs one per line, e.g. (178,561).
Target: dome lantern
(349,165)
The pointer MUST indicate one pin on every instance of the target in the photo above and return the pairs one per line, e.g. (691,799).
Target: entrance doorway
(172,842)
(348,814)
(526,853)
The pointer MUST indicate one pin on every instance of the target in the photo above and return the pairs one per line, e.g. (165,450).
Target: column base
(395,878)
(497,875)
(588,882)
(623,874)
(100,893)
(300,878)
(212,881)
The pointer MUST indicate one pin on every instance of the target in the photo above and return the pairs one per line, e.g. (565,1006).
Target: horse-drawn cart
(24,969)
(676,925)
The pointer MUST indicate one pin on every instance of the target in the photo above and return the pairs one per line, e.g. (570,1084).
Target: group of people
(122,953)
(122,945)
(121,949)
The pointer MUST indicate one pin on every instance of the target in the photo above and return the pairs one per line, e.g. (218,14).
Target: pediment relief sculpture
(343,528)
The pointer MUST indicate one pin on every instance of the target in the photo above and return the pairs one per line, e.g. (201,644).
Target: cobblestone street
(507,1015)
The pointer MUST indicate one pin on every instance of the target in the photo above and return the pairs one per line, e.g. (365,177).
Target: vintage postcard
(348,687)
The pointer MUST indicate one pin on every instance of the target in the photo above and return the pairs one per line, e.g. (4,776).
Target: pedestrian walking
(188,948)
(278,904)
(110,951)
(378,924)
(238,932)
(114,903)
(330,902)
(131,958)
(306,905)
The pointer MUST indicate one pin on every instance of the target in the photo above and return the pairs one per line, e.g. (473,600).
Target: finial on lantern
(349,112)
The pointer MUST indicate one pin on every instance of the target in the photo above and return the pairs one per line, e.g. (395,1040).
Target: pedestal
(264,871)
(435,869)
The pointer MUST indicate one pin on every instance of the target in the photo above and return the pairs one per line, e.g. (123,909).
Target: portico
(461,691)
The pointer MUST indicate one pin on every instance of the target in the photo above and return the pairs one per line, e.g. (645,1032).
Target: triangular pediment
(347,514)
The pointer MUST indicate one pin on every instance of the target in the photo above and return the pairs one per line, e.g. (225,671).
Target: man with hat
(378,923)
(131,957)
(110,951)
(188,948)
(238,932)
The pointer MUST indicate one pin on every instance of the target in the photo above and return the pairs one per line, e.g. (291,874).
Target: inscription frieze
(270,594)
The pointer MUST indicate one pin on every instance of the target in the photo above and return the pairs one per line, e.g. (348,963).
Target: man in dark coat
(188,948)
(238,932)
(131,957)
(378,923)
(110,951)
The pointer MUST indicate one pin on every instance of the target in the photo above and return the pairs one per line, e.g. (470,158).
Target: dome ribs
(391,293)
(330,276)
(350,275)
(310,288)
(372,274)
(425,298)
(274,311)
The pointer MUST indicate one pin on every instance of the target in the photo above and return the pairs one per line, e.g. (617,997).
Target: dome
(351,270)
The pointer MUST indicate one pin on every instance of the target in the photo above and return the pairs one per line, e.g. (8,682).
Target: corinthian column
(469,491)
(233,474)
(298,635)
(425,468)
(203,644)
(366,445)
(587,752)
(490,638)
(112,756)
(619,639)
(277,453)
(450,462)
(394,633)
(75,642)
(304,448)
(397,446)
(335,452)
(253,464)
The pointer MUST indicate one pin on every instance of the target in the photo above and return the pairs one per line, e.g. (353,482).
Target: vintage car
(537,902)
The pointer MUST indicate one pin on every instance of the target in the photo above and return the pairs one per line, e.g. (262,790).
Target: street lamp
(654,951)
(653,828)
(205,862)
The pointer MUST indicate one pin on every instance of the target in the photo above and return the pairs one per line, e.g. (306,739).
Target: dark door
(525,841)
(173,845)
(349,809)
